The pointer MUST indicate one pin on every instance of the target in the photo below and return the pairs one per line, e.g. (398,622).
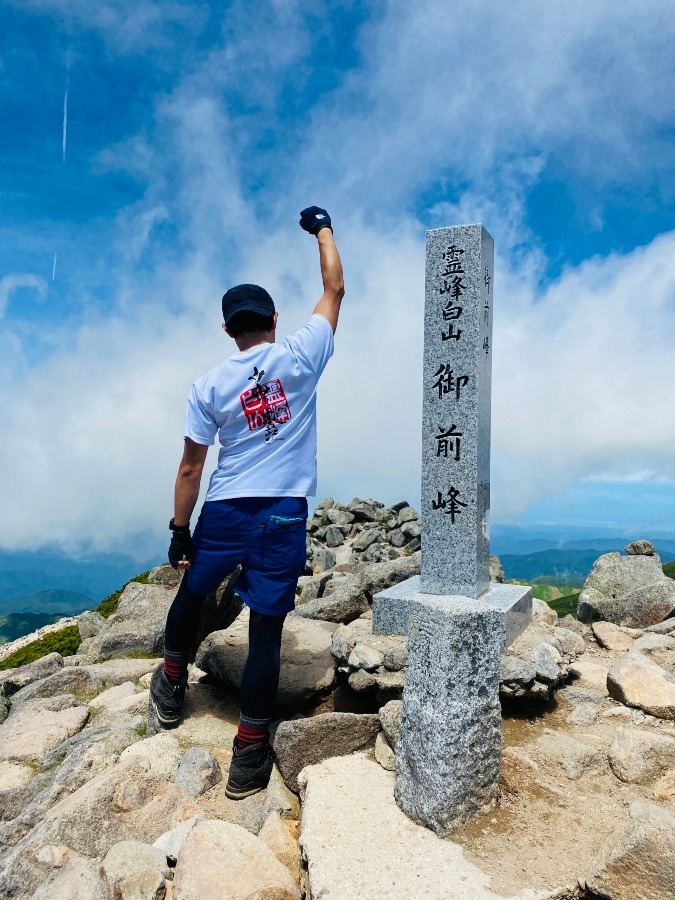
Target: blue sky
(196,132)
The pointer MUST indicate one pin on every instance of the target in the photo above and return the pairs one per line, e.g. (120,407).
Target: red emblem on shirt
(265,405)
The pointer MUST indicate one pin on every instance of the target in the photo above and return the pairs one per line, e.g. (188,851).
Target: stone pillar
(456,411)
(449,751)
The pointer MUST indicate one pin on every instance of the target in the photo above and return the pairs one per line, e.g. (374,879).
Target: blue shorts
(266,536)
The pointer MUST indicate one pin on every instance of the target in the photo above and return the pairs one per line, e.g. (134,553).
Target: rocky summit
(94,805)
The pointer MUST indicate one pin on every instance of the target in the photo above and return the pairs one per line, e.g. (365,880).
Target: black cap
(249,297)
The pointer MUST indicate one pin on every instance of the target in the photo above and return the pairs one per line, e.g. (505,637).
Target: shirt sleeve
(200,423)
(313,344)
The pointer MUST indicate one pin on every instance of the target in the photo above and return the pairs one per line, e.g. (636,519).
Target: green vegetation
(66,641)
(566,606)
(669,569)
(108,606)
(558,598)
(15,625)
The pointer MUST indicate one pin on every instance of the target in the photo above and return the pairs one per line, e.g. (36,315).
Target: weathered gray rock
(307,667)
(542,614)
(321,560)
(171,842)
(627,590)
(390,719)
(650,642)
(384,753)
(305,742)
(116,671)
(136,870)
(398,859)
(161,752)
(31,732)
(137,627)
(571,624)
(638,861)
(124,802)
(636,681)
(515,671)
(396,538)
(280,799)
(334,536)
(366,538)
(76,681)
(83,879)
(664,789)
(396,658)
(339,517)
(612,636)
(346,602)
(360,631)
(639,757)
(365,657)
(583,714)
(364,510)
(362,681)
(574,757)
(496,570)
(90,624)
(220,860)
(198,772)
(21,677)
(640,548)
(665,627)
(590,675)
(380,576)
(166,575)
(281,836)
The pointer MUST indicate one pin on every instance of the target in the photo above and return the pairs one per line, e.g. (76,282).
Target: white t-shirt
(262,405)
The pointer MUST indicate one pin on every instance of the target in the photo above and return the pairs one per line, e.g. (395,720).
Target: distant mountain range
(568,567)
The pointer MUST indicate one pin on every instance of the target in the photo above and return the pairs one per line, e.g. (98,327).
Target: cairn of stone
(458,625)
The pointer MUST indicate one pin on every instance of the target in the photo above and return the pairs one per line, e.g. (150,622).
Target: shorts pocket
(284,523)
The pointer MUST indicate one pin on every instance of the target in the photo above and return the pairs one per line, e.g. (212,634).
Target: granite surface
(391,608)
(456,410)
(449,749)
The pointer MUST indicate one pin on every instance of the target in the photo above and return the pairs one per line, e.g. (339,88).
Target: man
(261,402)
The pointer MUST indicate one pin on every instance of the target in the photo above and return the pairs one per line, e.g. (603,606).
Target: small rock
(573,624)
(611,636)
(638,860)
(407,514)
(546,660)
(640,548)
(390,719)
(637,681)
(496,570)
(365,539)
(365,657)
(590,675)
(334,536)
(280,799)
(542,612)
(514,670)
(198,772)
(161,751)
(362,681)
(396,658)
(166,575)
(384,754)
(664,789)
(322,560)
(396,538)
(650,642)
(22,676)
(665,627)
(89,624)
(637,757)
(127,859)
(303,742)
(224,860)
(411,529)
(81,878)
(583,714)
(281,836)
(339,517)
(171,842)
(574,757)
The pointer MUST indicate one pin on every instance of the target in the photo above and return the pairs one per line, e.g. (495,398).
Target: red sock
(251,734)
(175,668)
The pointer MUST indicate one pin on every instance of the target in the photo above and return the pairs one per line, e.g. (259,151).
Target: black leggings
(260,678)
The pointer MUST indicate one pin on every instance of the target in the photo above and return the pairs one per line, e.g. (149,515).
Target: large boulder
(307,667)
(21,677)
(220,861)
(635,680)
(343,604)
(305,742)
(358,843)
(627,590)
(31,731)
(137,627)
(638,861)
(639,757)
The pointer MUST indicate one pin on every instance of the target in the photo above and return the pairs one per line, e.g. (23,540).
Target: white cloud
(583,367)
(17,281)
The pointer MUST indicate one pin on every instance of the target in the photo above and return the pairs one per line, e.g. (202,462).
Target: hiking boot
(250,770)
(166,699)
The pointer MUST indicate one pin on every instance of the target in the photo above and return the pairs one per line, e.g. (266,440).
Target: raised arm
(317,222)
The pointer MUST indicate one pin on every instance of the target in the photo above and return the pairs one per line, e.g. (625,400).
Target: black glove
(313,219)
(181,547)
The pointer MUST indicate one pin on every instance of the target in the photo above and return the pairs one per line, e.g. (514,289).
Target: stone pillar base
(448,754)
(391,608)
